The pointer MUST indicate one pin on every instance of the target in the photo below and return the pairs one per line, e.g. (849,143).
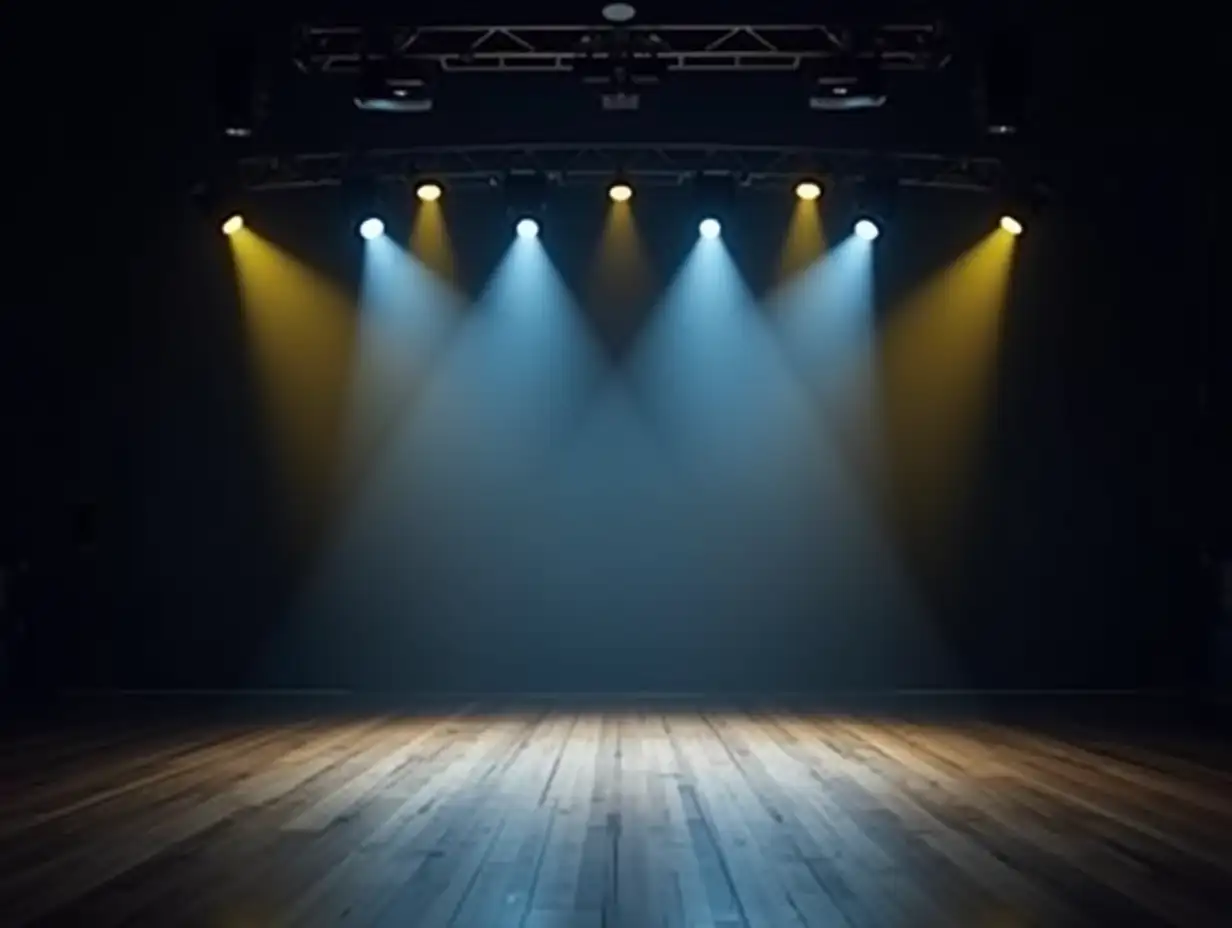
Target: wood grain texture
(638,816)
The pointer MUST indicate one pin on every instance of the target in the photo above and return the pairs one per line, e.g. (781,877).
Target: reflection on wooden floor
(637,817)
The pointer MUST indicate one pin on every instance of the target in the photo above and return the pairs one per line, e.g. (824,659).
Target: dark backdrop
(130,418)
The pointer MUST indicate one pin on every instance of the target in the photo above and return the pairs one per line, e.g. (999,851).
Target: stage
(636,813)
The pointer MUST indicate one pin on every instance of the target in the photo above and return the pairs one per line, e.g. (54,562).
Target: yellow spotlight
(808,190)
(619,192)
(1011,225)
(428,191)
(233,224)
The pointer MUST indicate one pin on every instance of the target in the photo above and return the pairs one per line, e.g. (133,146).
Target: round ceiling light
(618,12)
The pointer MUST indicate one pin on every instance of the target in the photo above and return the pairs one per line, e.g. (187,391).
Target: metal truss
(654,165)
(339,49)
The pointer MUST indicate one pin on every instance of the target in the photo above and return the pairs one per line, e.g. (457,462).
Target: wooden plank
(761,898)
(282,862)
(1008,830)
(371,875)
(614,818)
(500,893)
(111,855)
(554,890)
(1012,889)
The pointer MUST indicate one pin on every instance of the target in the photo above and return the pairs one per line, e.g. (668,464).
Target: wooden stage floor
(639,815)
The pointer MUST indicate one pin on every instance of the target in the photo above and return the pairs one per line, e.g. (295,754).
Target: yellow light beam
(301,332)
(937,358)
(430,240)
(622,272)
(805,240)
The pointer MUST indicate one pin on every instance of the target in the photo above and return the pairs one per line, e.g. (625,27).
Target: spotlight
(709,228)
(232,224)
(849,80)
(428,191)
(808,190)
(1022,199)
(619,192)
(371,228)
(1011,225)
(395,86)
(527,228)
(867,229)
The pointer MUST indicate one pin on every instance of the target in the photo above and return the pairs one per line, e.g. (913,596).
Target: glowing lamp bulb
(808,190)
(371,228)
(619,192)
(867,229)
(709,228)
(1011,225)
(233,224)
(428,192)
(527,228)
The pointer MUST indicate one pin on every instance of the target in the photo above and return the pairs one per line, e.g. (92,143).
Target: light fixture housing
(867,229)
(809,189)
(391,86)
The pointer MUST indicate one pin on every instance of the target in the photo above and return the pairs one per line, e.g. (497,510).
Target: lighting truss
(646,165)
(338,49)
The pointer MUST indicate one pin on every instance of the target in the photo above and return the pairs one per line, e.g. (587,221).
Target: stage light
(1011,225)
(527,228)
(232,224)
(808,190)
(371,228)
(867,229)
(428,191)
(709,228)
(619,192)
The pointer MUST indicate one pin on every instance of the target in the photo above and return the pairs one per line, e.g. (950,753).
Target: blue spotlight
(527,228)
(709,228)
(371,228)
(867,229)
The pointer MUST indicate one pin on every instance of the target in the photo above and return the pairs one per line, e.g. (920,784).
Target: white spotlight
(527,228)
(867,229)
(371,228)
(709,228)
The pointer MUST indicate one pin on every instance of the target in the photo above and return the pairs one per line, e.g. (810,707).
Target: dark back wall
(128,388)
